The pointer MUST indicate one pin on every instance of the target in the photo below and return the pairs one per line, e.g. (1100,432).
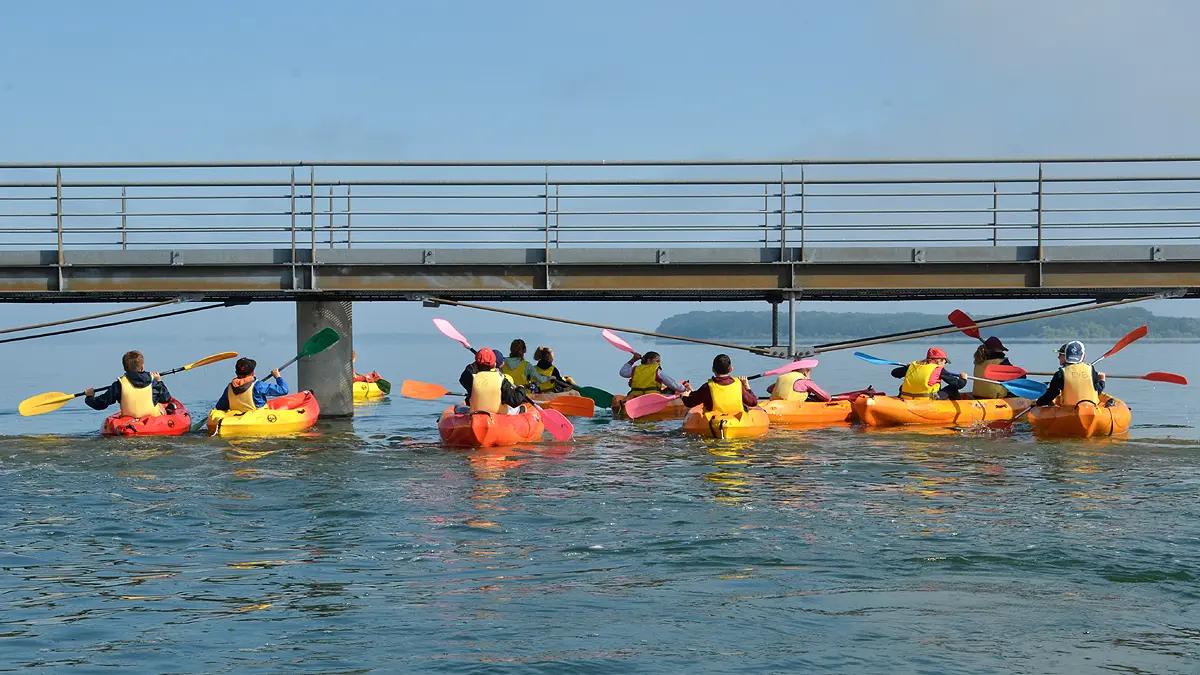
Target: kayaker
(487,389)
(796,386)
(140,394)
(990,353)
(929,378)
(359,377)
(648,377)
(1076,381)
(246,392)
(522,372)
(545,366)
(723,393)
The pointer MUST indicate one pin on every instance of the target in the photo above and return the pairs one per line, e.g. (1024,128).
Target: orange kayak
(749,424)
(673,411)
(891,411)
(808,413)
(1110,418)
(550,396)
(484,430)
(175,424)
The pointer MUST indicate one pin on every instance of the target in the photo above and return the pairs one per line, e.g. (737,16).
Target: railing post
(1040,252)
(803,195)
(348,229)
(331,216)
(766,215)
(124,230)
(546,213)
(293,228)
(995,227)
(557,232)
(312,227)
(783,256)
(59,212)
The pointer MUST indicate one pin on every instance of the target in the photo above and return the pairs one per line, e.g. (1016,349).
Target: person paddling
(1075,381)
(648,376)
(723,393)
(796,386)
(246,392)
(487,389)
(545,367)
(929,378)
(521,372)
(991,352)
(140,394)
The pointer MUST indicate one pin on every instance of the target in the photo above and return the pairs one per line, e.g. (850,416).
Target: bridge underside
(850,273)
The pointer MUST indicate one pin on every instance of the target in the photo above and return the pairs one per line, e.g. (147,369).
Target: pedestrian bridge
(771,229)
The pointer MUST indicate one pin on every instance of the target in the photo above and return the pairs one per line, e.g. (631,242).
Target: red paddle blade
(1134,335)
(1004,373)
(449,331)
(794,365)
(574,406)
(422,390)
(1170,378)
(616,341)
(558,426)
(646,404)
(965,323)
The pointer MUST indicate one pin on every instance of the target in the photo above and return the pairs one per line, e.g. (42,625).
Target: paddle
(599,396)
(616,341)
(1133,336)
(316,344)
(1022,388)
(53,400)
(558,425)
(384,386)
(575,406)
(648,404)
(965,323)
(1003,373)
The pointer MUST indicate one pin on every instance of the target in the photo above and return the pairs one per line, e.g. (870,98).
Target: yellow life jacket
(516,374)
(137,402)
(645,379)
(549,385)
(784,389)
(727,398)
(1077,384)
(987,389)
(241,402)
(485,392)
(917,378)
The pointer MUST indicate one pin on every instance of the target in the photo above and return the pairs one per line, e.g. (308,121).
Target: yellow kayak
(283,415)
(368,391)
(749,424)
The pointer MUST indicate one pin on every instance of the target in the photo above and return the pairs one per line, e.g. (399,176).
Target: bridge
(325,233)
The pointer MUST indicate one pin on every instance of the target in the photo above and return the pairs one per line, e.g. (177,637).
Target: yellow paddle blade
(44,403)
(223,356)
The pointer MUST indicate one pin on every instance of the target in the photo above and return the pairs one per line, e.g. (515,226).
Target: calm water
(367,547)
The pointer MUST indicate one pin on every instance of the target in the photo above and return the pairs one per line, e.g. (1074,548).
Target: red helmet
(485,357)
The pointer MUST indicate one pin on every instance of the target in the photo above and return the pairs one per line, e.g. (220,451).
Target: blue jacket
(262,391)
(139,380)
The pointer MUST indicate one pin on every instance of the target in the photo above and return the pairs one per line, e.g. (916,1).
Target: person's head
(244,367)
(1070,353)
(651,357)
(133,362)
(992,348)
(485,359)
(937,355)
(722,365)
(517,348)
(353,356)
(804,372)
(543,354)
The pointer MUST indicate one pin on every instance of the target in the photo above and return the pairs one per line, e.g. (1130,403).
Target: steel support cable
(91,316)
(227,303)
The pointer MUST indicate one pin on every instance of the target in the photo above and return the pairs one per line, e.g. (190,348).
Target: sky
(139,81)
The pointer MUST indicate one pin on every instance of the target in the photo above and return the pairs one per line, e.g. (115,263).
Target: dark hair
(517,348)
(648,357)
(722,365)
(543,354)
(133,361)
(982,353)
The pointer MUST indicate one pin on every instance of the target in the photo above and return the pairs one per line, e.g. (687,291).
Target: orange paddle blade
(422,390)
(574,406)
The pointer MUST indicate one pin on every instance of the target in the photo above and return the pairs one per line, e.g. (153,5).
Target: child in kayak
(990,353)
(545,366)
(1076,381)
(245,392)
(487,389)
(723,393)
(140,394)
(795,386)
(522,372)
(359,377)
(929,378)
(648,377)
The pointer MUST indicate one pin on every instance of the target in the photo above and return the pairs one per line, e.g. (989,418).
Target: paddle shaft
(172,371)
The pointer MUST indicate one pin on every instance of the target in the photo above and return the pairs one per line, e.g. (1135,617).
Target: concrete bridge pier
(329,374)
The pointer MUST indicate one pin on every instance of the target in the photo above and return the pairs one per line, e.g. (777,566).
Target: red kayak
(177,423)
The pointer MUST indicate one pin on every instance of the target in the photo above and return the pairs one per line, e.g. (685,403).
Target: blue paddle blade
(1026,388)
(881,362)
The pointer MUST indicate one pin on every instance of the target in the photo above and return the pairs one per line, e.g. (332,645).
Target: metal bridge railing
(768,203)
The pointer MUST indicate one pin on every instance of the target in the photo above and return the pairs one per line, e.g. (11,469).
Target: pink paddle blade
(647,404)
(449,331)
(794,365)
(556,423)
(616,341)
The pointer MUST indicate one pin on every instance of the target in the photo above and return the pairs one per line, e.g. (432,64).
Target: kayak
(366,387)
(175,424)
(485,430)
(749,424)
(673,411)
(891,411)
(808,413)
(550,396)
(1110,418)
(283,415)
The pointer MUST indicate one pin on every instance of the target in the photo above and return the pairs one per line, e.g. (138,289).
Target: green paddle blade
(384,385)
(601,397)
(320,342)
